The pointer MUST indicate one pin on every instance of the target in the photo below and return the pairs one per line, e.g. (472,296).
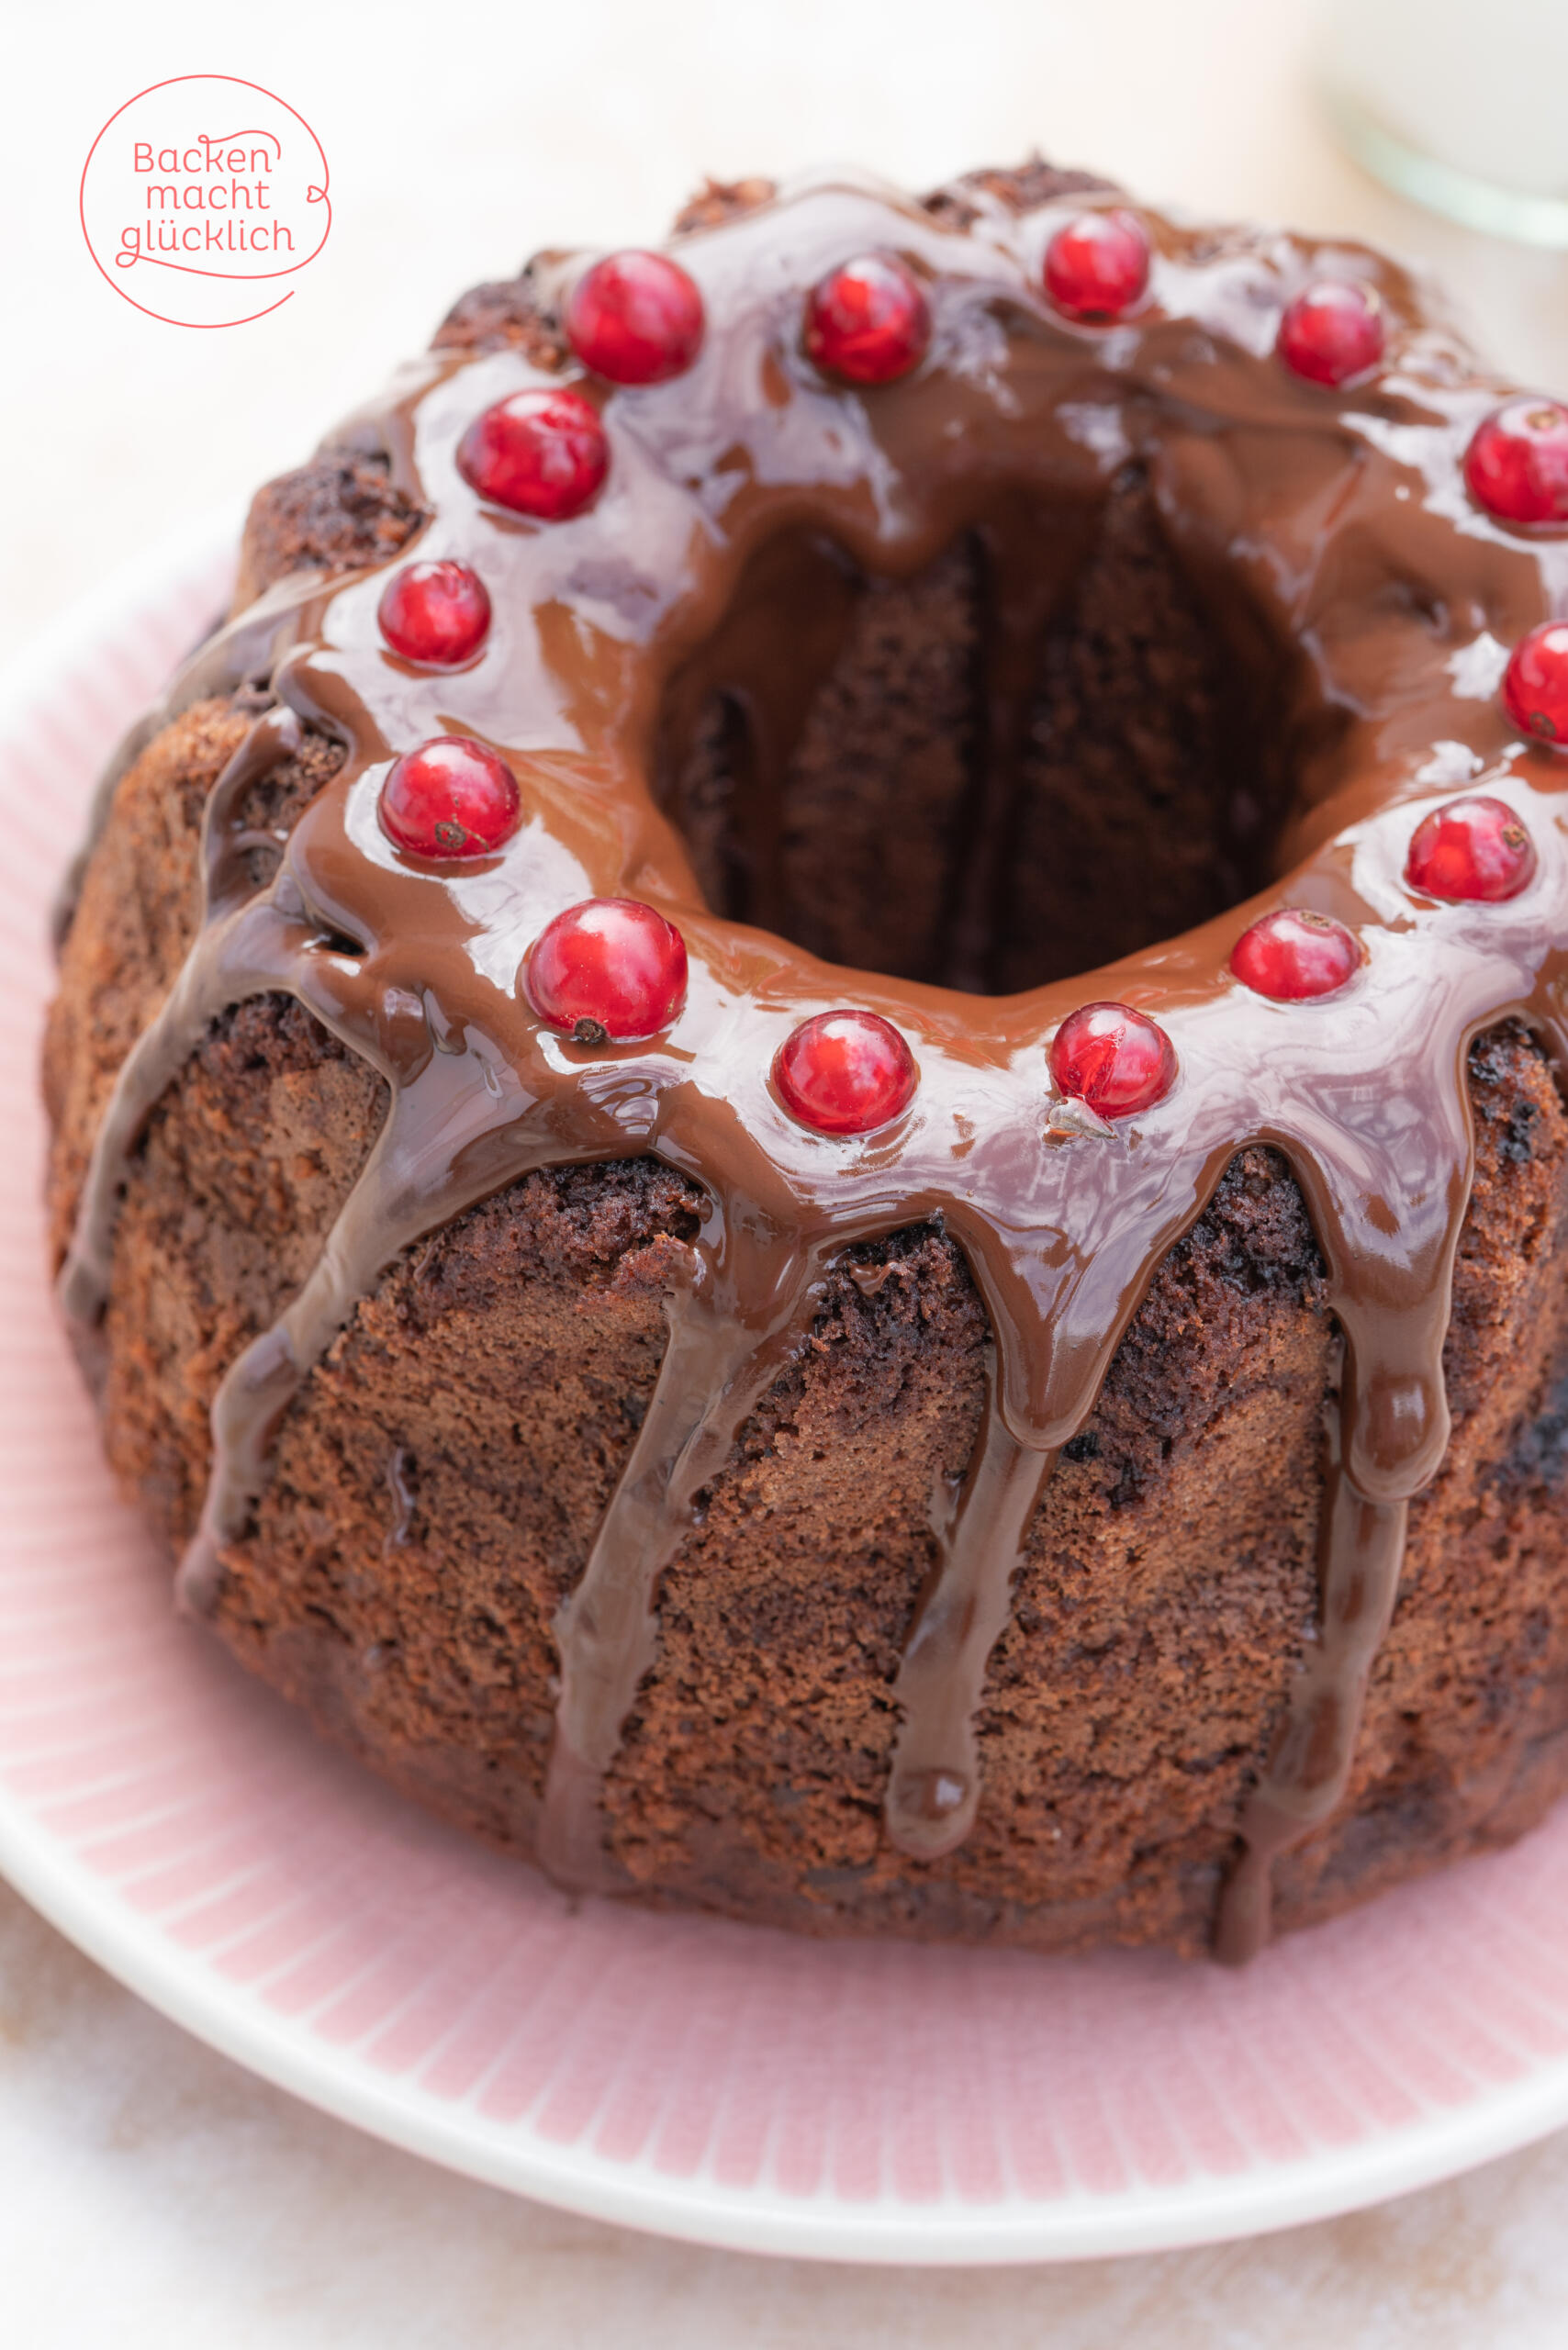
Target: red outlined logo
(201,197)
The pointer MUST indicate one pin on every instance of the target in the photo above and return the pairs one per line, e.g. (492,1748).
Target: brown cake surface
(968,776)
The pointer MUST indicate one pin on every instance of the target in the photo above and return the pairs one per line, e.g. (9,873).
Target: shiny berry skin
(1097,266)
(1535,685)
(1113,1058)
(867,323)
(1516,465)
(1293,954)
(539,452)
(1332,332)
(844,1072)
(635,318)
(609,968)
(435,613)
(1472,849)
(451,798)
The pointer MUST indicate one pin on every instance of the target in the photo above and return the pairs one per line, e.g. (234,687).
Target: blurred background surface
(150,2191)
(461,136)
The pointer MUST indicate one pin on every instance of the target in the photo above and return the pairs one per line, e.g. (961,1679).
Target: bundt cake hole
(1050,747)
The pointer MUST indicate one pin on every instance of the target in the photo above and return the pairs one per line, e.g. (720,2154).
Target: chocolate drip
(240,650)
(1323,523)
(1361,1545)
(934,1785)
(243,948)
(439,1151)
(715,1370)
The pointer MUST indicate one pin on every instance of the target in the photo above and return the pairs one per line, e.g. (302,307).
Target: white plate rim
(91,1914)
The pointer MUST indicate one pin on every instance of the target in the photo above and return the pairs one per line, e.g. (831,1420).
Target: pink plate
(862,2102)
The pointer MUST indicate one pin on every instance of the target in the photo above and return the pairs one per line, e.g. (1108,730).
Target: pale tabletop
(150,2191)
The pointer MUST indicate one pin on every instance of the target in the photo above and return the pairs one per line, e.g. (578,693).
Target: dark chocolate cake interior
(1048,748)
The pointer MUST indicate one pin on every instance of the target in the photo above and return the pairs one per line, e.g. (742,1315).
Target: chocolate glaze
(1333,526)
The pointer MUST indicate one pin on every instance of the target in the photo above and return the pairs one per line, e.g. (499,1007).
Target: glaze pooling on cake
(1340,516)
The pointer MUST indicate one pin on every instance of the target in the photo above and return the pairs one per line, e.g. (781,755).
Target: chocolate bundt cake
(806,1103)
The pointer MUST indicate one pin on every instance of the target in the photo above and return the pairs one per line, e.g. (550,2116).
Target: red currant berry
(1472,848)
(540,452)
(1097,266)
(635,318)
(1517,465)
(1294,954)
(1114,1059)
(1535,685)
(609,968)
(844,1072)
(435,613)
(1332,332)
(868,321)
(451,798)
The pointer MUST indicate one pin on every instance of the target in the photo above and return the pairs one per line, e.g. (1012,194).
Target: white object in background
(1459,105)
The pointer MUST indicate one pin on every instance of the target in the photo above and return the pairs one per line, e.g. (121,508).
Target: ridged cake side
(1051,621)
(436,1487)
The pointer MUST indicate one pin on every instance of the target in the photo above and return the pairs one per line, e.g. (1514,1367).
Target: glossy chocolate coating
(1331,527)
